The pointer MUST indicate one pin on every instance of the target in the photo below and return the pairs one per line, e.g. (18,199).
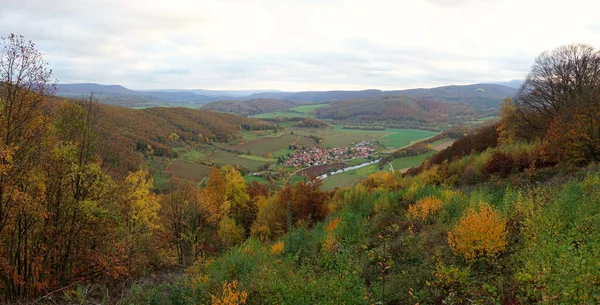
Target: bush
(500,164)
(479,234)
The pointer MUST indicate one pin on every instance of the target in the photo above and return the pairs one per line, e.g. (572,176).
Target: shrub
(479,234)
(500,163)
(424,207)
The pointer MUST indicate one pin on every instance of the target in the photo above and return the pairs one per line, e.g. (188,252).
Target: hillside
(250,107)
(125,134)
(121,96)
(396,109)
(484,98)
(318,96)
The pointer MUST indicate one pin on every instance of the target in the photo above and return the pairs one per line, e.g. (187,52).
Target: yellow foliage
(144,206)
(230,295)
(479,234)
(424,207)
(271,218)
(229,232)
(277,248)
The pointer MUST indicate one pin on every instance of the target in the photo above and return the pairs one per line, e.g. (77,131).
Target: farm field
(407,162)
(264,145)
(350,178)
(305,111)
(188,170)
(282,114)
(221,157)
(308,109)
(398,138)
(257,158)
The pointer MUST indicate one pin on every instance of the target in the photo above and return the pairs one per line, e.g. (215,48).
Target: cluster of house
(310,156)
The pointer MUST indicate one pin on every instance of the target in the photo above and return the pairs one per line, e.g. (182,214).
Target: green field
(398,138)
(392,138)
(221,157)
(307,109)
(408,162)
(257,158)
(265,145)
(350,178)
(187,170)
(281,114)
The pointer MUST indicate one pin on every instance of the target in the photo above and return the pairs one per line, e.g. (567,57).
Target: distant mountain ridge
(483,100)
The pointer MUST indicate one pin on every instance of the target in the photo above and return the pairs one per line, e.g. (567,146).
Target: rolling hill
(250,107)
(394,109)
(483,102)
(121,96)
(153,131)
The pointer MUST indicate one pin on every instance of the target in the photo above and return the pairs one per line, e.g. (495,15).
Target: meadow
(188,170)
(221,157)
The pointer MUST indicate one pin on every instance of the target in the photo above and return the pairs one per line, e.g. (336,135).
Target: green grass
(221,157)
(257,158)
(193,154)
(283,114)
(265,145)
(350,178)
(398,138)
(258,179)
(408,162)
(308,109)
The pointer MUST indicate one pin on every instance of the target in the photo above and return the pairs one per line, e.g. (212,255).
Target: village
(311,156)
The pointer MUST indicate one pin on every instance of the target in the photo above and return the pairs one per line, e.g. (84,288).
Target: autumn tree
(556,80)
(24,84)
(184,219)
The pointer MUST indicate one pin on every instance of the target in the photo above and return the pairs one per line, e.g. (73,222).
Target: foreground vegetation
(505,215)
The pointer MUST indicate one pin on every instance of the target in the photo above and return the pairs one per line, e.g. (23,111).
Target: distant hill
(515,83)
(484,98)
(121,96)
(317,96)
(394,109)
(250,107)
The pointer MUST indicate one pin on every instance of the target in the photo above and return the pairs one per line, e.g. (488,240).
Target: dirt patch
(443,146)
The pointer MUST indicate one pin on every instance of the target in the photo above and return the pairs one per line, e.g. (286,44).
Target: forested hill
(250,107)
(121,96)
(392,109)
(153,131)
(484,98)
(317,96)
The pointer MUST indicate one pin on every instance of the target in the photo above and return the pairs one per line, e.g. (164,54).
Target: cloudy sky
(296,44)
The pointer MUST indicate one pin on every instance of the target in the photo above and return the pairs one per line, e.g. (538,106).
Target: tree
(557,79)
(24,79)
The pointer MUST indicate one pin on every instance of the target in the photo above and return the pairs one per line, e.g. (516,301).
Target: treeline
(389,109)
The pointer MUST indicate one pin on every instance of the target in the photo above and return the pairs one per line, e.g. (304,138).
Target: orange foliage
(277,248)
(479,234)
(333,224)
(424,207)
(230,295)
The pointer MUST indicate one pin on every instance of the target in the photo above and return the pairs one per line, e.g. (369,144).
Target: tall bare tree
(557,79)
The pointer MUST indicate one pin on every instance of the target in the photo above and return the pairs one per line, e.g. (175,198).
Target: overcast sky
(296,44)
